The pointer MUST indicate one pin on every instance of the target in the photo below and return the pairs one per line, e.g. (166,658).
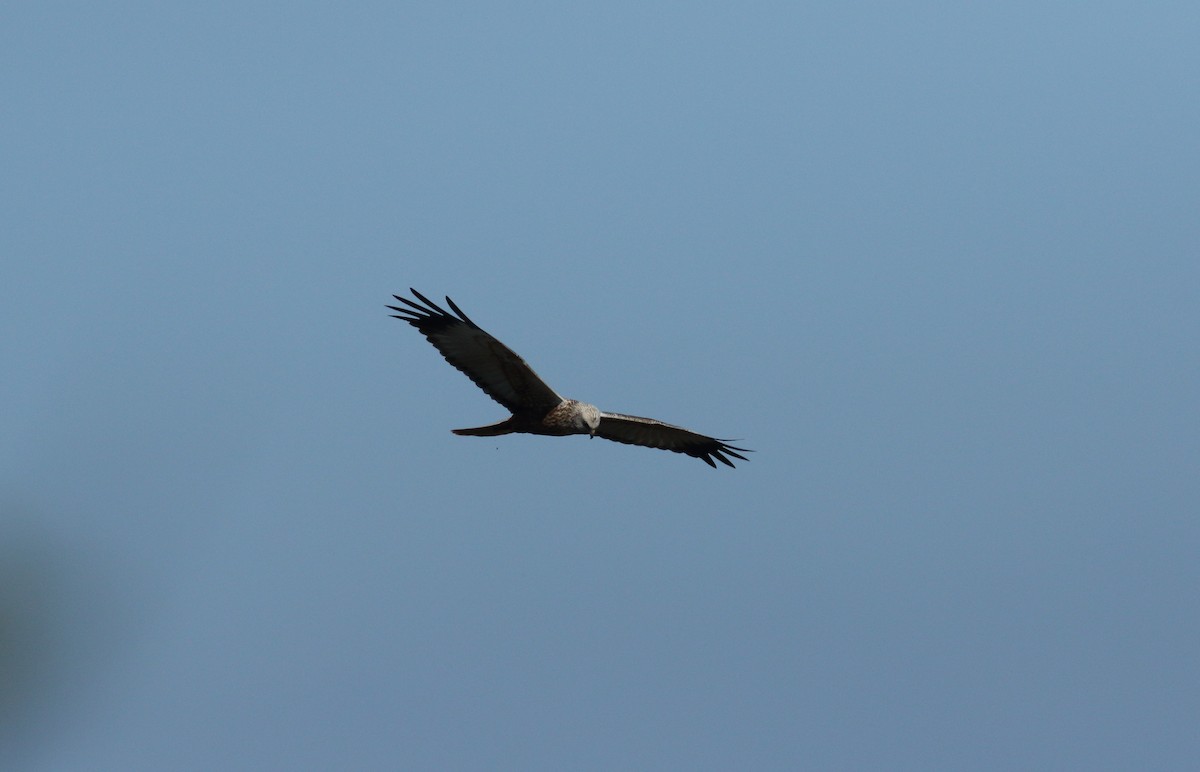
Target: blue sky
(936,263)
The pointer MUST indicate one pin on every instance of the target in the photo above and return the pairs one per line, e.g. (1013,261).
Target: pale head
(589,418)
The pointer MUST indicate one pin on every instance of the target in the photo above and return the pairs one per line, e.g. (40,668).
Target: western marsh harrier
(536,408)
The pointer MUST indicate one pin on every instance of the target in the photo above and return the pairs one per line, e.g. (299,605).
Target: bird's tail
(491,430)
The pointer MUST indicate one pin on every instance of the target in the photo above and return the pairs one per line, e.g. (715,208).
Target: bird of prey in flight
(536,408)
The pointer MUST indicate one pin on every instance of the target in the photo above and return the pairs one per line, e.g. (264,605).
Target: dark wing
(493,367)
(647,432)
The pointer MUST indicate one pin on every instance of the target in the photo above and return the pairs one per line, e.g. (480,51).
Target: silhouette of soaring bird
(536,408)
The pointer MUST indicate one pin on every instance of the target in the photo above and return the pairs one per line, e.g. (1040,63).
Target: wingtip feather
(460,313)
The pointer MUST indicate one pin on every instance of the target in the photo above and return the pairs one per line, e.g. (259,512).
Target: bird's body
(567,417)
(536,408)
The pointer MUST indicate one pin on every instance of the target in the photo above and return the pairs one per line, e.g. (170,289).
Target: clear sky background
(937,263)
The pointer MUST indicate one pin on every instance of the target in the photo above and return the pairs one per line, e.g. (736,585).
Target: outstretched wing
(493,367)
(634,430)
